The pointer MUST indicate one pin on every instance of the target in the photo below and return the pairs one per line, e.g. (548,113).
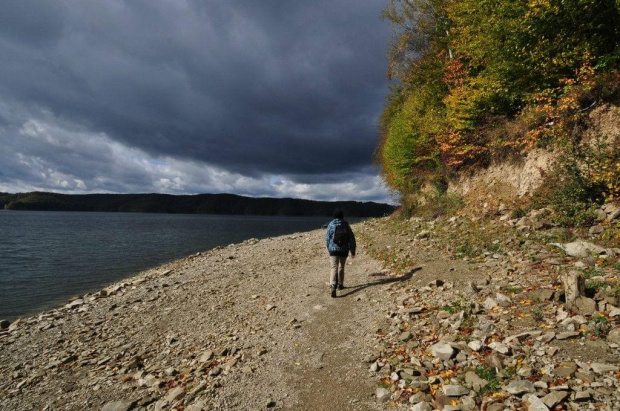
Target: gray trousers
(337,271)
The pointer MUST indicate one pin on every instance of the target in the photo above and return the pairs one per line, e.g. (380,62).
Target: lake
(47,256)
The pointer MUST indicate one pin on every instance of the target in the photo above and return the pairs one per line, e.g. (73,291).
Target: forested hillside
(188,204)
(476,81)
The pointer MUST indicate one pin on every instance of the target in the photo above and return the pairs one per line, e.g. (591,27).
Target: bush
(573,197)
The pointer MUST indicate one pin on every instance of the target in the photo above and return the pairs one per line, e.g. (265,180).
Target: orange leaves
(454,73)
(447,374)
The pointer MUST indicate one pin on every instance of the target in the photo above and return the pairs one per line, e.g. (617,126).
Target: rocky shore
(458,313)
(505,333)
(248,326)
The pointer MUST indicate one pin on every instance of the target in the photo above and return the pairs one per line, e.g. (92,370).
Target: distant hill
(188,204)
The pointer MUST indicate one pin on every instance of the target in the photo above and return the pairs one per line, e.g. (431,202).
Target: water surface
(47,257)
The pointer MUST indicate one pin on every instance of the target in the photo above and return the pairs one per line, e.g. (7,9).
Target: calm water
(46,257)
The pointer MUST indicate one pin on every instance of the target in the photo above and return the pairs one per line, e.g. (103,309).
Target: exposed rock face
(521,178)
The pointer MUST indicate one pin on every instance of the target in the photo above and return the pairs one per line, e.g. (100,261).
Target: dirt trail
(343,333)
(336,378)
(249,326)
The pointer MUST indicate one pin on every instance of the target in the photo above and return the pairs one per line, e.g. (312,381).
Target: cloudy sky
(275,98)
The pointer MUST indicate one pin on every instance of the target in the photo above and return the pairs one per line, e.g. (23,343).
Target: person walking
(339,240)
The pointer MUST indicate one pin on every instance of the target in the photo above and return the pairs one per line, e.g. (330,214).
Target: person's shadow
(357,288)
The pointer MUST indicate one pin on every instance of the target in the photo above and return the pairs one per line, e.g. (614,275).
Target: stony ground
(248,326)
(449,314)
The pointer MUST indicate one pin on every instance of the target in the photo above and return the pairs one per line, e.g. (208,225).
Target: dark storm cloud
(253,88)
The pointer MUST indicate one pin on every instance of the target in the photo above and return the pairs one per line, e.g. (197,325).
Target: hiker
(339,240)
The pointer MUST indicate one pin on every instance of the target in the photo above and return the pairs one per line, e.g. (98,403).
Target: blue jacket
(334,249)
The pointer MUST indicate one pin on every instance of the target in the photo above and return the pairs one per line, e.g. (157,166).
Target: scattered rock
(455,390)
(442,350)
(584,306)
(474,381)
(520,387)
(175,394)
(614,336)
(422,406)
(206,356)
(566,335)
(554,398)
(581,249)
(382,394)
(499,347)
(536,404)
(490,303)
(74,304)
(603,368)
(475,345)
(125,405)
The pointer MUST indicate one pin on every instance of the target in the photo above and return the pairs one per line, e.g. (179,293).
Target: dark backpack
(341,235)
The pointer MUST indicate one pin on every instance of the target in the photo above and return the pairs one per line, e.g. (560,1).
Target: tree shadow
(360,287)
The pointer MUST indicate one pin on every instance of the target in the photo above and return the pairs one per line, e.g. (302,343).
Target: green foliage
(590,272)
(601,325)
(436,203)
(537,314)
(465,250)
(513,290)
(477,79)
(593,286)
(454,307)
(490,375)
(571,194)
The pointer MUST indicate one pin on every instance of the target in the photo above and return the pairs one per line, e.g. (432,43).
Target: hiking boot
(340,287)
(333,287)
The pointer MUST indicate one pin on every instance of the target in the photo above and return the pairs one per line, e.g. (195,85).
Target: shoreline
(252,326)
(196,331)
(78,276)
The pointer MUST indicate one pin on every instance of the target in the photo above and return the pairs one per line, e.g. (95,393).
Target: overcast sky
(275,98)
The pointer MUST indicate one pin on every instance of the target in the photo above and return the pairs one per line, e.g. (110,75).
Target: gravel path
(248,326)
(252,326)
